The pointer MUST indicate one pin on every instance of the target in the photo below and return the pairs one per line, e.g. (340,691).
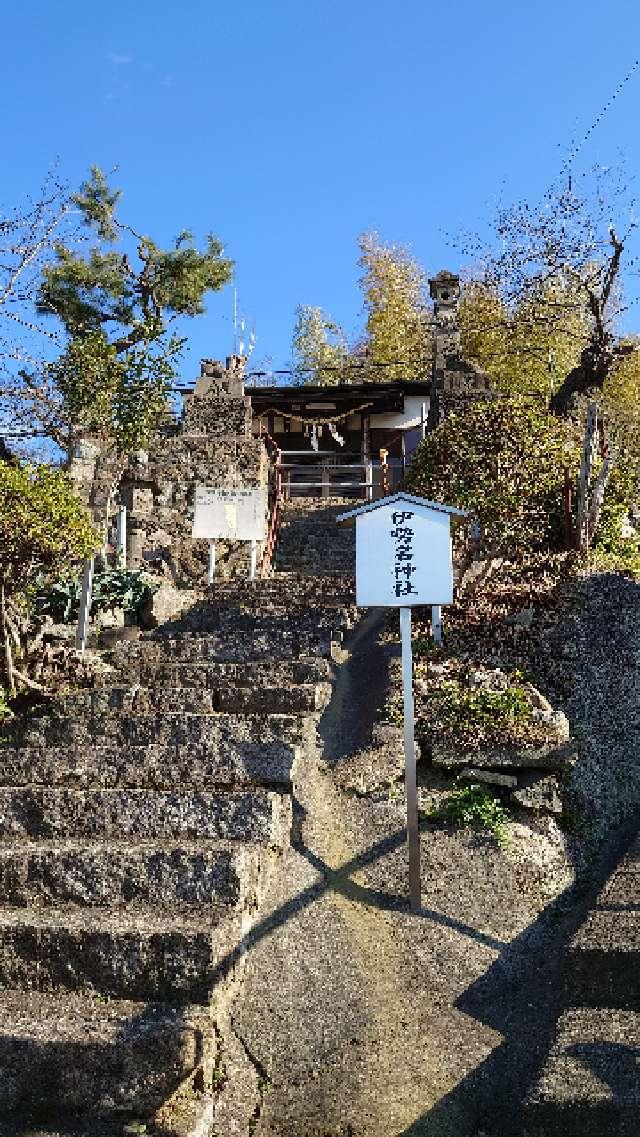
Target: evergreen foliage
(504,461)
(44,527)
(118,301)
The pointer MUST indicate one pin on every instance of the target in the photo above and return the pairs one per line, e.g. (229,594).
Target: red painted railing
(275,488)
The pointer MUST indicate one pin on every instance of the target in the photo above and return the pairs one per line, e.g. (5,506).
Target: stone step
(602,967)
(590,1085)
(309,625)
(245,733)
(290,591)
(211,676)
(184,876)
(32,813)
(107,764)
(226,697)
(245,647)
(81,1056)
(140,955)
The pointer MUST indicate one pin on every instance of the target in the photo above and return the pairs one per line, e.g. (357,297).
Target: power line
(596,122)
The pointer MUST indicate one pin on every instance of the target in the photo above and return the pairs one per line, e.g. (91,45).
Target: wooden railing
(339,480)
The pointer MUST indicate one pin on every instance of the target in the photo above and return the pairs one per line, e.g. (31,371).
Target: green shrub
(504,461)
(116,588)
(474,806)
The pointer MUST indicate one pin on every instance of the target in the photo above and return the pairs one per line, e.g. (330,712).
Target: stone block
(590,1084)
(540,794)
(137,498)
(217,415)
(547,757)
(38,812)
(602,965)
(489,777)
(84,1057)
(173,877)
(141,957)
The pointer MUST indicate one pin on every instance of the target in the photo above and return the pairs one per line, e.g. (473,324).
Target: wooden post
(368,477)
(436,623)
(411,789)
(325,480)
(384,472)
(85,606)
(121,537)
(212,562)
(366,456)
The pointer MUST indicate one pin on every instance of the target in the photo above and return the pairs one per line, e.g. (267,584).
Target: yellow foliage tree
(531,347)
(398,341)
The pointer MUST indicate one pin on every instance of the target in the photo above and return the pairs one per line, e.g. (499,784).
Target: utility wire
(596,122)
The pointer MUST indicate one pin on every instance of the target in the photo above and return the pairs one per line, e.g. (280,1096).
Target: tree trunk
(4,632)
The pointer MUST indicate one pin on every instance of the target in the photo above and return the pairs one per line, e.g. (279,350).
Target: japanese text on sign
(404,568)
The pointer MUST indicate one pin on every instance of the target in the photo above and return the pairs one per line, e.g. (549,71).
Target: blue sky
(287,128)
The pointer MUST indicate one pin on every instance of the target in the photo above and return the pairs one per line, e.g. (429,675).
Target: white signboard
(231,514)
(403,556)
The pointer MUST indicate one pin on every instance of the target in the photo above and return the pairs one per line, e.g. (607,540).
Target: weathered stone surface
(173,877)
(506,781)
(551,757)
(38,812)
(136,957)
(603,960)
(590,1085)
(109,765)
(176,728)
(540,794)
(90,1058)
(166,603)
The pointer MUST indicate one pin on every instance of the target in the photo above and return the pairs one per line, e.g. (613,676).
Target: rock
(542,795)
(166,604)
(508,781)
(550,756)
(523,619)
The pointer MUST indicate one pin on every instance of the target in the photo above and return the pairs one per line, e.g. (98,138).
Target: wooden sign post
(404,559)
(232,514)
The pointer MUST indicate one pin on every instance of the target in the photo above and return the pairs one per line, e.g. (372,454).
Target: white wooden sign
(231,514)
(403,558)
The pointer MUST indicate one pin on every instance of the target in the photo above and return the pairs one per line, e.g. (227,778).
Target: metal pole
(85,606)
(413,832)
(423,420)
(436,623)
(212,561)
(121,537)
(254,559)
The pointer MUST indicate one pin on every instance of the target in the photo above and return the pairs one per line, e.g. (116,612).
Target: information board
(232,514)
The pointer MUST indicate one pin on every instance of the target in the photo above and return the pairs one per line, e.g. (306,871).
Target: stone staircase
(590,1084)
(138,823)
(309,539)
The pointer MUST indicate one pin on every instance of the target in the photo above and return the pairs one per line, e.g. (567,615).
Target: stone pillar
(455,380)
